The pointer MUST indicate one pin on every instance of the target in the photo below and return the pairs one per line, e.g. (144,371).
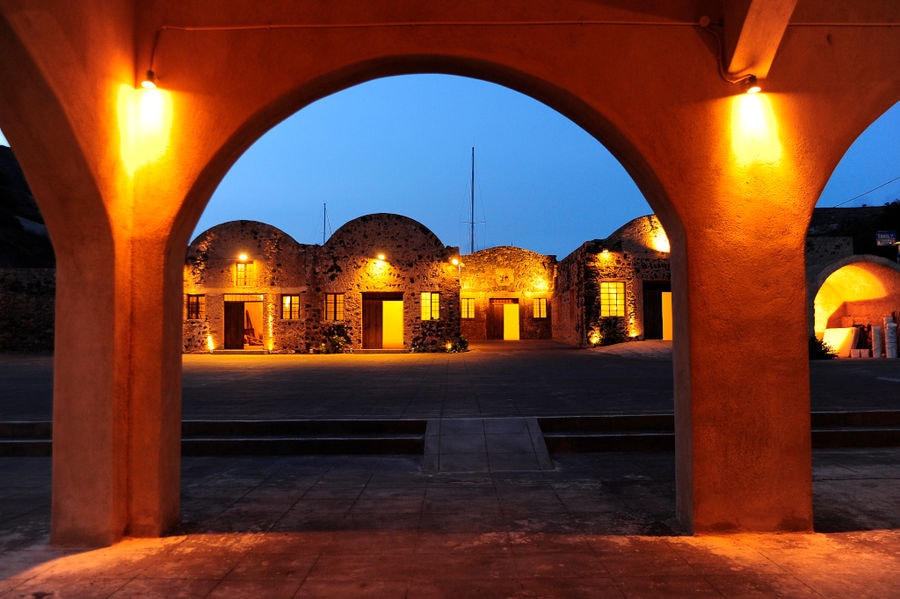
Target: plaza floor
(591,525)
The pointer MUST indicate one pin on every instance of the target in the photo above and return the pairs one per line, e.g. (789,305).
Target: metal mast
(472,213)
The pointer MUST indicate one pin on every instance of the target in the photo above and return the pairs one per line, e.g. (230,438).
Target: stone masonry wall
(415,262)
(509,273)
(27,309)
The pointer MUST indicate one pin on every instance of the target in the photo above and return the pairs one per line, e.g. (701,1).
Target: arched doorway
(644,81)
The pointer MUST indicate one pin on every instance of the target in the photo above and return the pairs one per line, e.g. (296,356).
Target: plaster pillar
(154,443)
(89,484)
(742,409)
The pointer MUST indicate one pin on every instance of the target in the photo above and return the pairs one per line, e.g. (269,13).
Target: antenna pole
(324,220)
(472,213)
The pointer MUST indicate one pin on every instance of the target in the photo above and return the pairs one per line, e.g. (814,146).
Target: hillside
(23,237)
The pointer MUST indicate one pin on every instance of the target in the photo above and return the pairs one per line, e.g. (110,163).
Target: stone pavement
(592,525)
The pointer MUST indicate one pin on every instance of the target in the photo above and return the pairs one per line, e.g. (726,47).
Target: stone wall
(636,253)
(821,252)
(275,265)
(507,272)
(415,261)
(27,309)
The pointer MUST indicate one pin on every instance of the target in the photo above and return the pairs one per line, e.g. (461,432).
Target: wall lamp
(149,81)
(380,257)
(751,85)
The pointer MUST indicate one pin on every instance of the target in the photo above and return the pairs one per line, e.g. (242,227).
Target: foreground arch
(121,200)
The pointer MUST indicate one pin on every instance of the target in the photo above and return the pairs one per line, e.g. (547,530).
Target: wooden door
(501,319)
(234,325)
(373,322)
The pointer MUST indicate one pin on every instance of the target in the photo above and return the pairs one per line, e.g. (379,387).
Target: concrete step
(254,437)
(297,437)
(656,432)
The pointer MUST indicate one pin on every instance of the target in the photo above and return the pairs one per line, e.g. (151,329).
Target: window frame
(539,308)
(334,307)
(244,274)
(290,306)
(612,304)
(467,308)
(431,308)
(195,306)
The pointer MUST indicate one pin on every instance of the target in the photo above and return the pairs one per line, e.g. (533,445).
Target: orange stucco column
(743,457)
(117,396)
(89,402)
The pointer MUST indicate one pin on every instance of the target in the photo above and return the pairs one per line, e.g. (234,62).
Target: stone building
(660,84)
(381,281)
(506,293)
(616,288)
(852,275)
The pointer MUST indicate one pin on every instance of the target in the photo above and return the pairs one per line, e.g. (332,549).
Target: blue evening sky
(403,145)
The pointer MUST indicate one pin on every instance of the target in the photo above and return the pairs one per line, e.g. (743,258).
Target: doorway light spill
(210,343)
(145,124)
(754,130)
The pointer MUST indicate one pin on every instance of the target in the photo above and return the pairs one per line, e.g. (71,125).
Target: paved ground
(595,525)
(499,379)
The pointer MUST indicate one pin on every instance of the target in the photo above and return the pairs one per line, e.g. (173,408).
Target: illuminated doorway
(658,310)
(382,320)
(243,321)
(503,319)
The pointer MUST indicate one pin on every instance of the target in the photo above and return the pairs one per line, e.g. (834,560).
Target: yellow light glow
(381,257)
(594,337)
(448,346)
(660,241)
(454,261)
(242,257)
(852,288)
(145,123)
(210,344)
(754,130)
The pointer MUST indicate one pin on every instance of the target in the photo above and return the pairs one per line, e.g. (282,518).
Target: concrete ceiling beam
(753,32)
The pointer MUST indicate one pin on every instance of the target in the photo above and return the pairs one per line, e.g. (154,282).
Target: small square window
(334,306)
(196,307)
(290,307)
(467,305)
(243,274)
(431,305)
(540,307)
(612,298)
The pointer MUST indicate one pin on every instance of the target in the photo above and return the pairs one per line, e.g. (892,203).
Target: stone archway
(858,290)
(644,81)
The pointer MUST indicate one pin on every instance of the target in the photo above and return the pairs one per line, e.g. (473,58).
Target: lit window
(196,307)
(290,307)
(468,307)
(540,307)
(243,274)
(431,305)
(334,306)
(612,298)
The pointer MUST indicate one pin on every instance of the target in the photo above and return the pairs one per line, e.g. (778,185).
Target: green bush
(336,339)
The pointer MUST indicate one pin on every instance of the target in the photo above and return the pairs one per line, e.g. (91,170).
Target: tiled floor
(597,525)
(484,513)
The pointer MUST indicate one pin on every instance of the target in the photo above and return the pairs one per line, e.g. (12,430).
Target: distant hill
(24,241)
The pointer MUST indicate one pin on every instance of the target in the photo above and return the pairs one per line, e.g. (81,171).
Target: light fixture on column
(149,81)
(751,85)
